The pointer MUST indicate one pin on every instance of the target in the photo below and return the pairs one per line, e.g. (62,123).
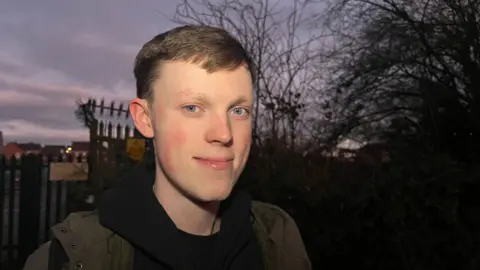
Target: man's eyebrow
(239,100)
(200,98)
(188,94)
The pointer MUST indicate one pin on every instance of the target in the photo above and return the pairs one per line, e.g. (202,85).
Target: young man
(194,98)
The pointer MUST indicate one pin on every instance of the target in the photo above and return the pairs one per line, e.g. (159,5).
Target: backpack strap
(120,253)
(57,258)
(279,238)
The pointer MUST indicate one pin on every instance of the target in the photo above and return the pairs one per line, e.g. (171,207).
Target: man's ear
(139,109)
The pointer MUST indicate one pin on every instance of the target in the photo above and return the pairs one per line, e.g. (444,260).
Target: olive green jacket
(90,246)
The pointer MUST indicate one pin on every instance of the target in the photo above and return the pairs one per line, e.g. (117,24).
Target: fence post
(3,169)
(30,206)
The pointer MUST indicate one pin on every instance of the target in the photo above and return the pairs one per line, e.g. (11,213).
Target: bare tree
(417,60)
(283,51)
(84,113)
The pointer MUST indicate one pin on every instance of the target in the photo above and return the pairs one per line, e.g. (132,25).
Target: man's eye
(240,111)
(191,108)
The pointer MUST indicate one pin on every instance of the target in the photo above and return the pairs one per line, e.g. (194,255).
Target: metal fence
(30,205)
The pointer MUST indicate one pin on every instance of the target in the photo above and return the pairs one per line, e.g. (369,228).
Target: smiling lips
(219,164)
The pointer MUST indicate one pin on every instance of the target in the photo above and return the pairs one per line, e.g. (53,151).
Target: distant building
(374,153)
(12,149)
(31,148)
(19,149)
(80,149)
(54,151)
(345,149)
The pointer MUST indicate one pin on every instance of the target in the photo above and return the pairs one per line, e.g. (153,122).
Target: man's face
(202,128)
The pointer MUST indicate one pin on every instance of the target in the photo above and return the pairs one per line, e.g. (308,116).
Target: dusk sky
(53,52)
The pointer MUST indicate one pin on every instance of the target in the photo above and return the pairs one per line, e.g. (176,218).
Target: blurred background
(366,126)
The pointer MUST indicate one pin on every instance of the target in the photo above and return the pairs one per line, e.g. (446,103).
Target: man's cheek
(171,145)
(245,140)
(246,137)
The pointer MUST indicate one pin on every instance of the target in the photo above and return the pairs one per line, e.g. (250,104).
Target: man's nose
(220,131)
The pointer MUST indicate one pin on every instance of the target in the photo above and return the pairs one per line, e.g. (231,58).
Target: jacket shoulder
(283,234)
(80,233)
(38,260)
(271,216)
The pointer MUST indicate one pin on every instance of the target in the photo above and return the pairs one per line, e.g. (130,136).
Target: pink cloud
(10,97)
(20,129)
(118,92)
(91,40)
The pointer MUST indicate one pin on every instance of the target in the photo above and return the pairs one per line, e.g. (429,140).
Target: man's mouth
(216,163)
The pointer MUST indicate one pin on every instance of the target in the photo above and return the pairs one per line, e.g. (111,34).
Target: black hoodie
(132,211)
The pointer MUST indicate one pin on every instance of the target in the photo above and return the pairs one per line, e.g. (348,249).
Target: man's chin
(211,196)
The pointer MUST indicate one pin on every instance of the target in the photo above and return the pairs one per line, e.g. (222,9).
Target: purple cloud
(55,52)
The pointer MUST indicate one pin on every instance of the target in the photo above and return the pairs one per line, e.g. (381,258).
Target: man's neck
(188,216)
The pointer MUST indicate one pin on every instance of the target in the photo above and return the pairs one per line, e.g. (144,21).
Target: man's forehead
(186,80)
(200,65)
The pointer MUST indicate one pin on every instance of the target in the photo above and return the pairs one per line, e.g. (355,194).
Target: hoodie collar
(131,210)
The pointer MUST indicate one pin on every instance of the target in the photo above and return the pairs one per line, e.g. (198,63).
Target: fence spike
(102,106)
(101,128)
(94,106)
(119,132)
(120,109)
(112,108)
(127,131)
(89,104)
(109,129)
